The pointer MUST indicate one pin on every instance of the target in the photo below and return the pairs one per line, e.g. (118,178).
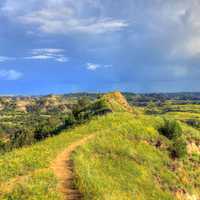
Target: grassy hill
(128,159)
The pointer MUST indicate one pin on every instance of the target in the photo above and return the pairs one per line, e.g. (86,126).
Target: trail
(63,169)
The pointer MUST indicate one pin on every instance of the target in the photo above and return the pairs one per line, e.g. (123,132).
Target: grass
(123,163)
(25,172)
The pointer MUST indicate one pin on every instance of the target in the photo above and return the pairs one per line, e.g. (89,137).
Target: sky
(64,46)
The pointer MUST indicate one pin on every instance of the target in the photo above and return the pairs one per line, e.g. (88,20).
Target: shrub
(151,108)
(22,136)
(171,129)
(3,146)
(70,120)
(178,148)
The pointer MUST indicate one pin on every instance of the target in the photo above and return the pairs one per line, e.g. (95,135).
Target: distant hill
(63,103)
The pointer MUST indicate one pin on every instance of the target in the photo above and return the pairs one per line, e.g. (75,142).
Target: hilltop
(117,102)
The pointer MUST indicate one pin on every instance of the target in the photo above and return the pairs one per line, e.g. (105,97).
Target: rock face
(22,105)
(117,102)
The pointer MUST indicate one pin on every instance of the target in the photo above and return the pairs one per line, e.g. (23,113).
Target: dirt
(193,148)
(63,169)
(183,195)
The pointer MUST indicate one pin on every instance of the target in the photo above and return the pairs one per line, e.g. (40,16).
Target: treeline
(160,98)
(36,127)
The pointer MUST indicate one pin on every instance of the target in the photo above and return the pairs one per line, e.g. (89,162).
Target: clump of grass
(178,148)
(39,185)
(173,131)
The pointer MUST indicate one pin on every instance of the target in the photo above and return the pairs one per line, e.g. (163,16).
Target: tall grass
(123,163)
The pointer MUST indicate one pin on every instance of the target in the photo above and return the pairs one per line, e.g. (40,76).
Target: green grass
(21,170)
(32,163)
(123,163)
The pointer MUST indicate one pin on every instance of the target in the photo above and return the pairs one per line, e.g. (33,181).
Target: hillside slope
(123,162)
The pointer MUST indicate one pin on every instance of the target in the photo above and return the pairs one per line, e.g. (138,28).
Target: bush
(70,121)
(3,146)
(151,108)
(22,136)
(178,148)
(171,129)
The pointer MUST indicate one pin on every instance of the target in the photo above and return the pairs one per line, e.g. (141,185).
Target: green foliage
(171,129)
(128,159)
(167,106)
(47,128)
(21,137)
(178,148)
(70,120)
(84,101)
(122,158)
(151,108)
(98,107)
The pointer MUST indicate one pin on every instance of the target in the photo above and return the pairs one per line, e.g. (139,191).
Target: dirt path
(63,168)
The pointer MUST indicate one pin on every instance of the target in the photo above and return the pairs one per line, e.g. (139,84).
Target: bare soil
(63,169)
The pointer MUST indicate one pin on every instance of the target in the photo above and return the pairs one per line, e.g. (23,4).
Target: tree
(83,101)
(22,136)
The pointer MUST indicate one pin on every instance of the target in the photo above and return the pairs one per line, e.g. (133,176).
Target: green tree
(83,101)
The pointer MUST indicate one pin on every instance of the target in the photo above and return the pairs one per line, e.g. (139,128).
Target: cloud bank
(48,54)
(153,45)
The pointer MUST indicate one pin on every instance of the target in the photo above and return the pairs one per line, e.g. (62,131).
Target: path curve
(63,169)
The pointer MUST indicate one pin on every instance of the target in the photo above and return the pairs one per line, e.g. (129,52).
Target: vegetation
(133,155)
(171,129)
(21,128)
(126,161)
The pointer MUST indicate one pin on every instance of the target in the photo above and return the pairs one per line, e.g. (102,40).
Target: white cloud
(93,66)
(47,51)
(49,21)
(10,74)
(62,17)
(191,47)
(5,58)
(62,59)
(48,54)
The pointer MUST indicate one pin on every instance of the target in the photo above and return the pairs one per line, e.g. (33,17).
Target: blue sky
(61,46)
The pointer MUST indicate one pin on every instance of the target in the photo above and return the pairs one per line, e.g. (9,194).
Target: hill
(128,158)
(117,102)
